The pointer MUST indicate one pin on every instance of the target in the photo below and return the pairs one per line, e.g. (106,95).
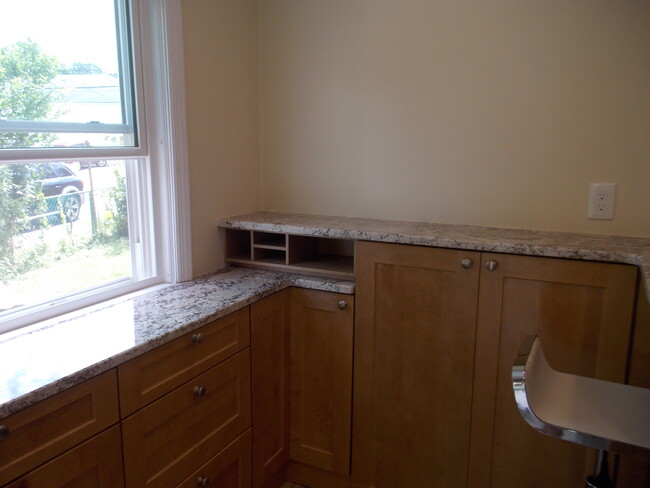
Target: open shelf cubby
(302,254)
(269,240)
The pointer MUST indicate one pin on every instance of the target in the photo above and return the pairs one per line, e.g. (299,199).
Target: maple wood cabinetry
(157,372)
(301,254)
(582,313)
(270,384)
(414,361)
(432,334)
(45,430)
(433,352)
(96,463)
(322,326)
(203,404)
(301,344)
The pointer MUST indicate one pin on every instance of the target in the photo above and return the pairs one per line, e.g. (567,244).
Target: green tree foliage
(115,222)
(25,75)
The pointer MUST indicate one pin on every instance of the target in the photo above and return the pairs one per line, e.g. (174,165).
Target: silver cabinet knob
(197,338)
(203,481)
(491,265)
(342,304)
(466,263)
(4,432)
(199,391)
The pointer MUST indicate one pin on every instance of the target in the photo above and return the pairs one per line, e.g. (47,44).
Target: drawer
(43,431)
(166,441)
(97,463)
(150,376)
(231,468)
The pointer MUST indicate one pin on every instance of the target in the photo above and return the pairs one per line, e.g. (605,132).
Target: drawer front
(97,463)
(48,428)
(231,468)
(166,441)
(152,375)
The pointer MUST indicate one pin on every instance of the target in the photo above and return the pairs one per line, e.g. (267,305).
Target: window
(89,209)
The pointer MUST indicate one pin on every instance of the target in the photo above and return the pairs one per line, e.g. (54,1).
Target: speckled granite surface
(39,361)
(616,249)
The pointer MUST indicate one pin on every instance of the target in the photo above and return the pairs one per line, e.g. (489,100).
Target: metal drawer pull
(491,265)
(342,304)
(199,391)
(4,432)
(203,481)
(466,263)
(197,338)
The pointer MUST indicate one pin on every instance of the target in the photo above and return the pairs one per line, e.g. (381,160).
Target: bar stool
(610,417)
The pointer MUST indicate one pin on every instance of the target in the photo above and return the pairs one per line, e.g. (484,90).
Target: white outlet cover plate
(601,201)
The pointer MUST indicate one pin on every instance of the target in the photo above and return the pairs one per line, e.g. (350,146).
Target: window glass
(65,74)
(71,230)
(62,232)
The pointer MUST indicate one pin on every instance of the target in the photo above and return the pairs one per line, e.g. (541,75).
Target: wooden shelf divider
(287,252)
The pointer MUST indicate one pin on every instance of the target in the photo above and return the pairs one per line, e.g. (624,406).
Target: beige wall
(472,112)
(220,41)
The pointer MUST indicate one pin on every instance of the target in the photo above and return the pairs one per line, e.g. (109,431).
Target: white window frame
(129,26)
(158,27)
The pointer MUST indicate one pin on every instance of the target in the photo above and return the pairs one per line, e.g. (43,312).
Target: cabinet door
(415,334)
(582,312)
(270,384)
(321,379)
(634,472)
(97,463)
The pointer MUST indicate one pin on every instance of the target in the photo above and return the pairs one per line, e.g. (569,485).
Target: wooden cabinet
(582,313)
(157,372)
(300,254)
(231,468)
(48,428)
(414,364)
(322,326)
(270,384)
(170,438)
(433,400)
(96,463)
(634,472)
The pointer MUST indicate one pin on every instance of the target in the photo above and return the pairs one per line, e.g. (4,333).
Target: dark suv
(59,180)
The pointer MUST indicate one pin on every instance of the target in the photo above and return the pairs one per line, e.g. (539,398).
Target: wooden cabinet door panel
(270,384)
(231,468)
(414,363)
(157,372)
(97,463)
(582,313)
(321,379)
(48,428)
(634,472)
(167,440)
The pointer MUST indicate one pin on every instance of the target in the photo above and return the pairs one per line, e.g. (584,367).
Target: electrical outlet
(601,200)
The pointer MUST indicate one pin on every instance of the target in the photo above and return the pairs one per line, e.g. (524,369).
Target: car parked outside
(86,164)
(60,181)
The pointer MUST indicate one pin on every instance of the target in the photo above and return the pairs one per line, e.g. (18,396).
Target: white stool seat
(607,416)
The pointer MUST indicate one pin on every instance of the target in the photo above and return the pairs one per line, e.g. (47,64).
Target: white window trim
(167,141)
(170,118)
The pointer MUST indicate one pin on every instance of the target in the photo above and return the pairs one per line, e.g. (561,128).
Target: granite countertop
(615,249)
(40,360)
